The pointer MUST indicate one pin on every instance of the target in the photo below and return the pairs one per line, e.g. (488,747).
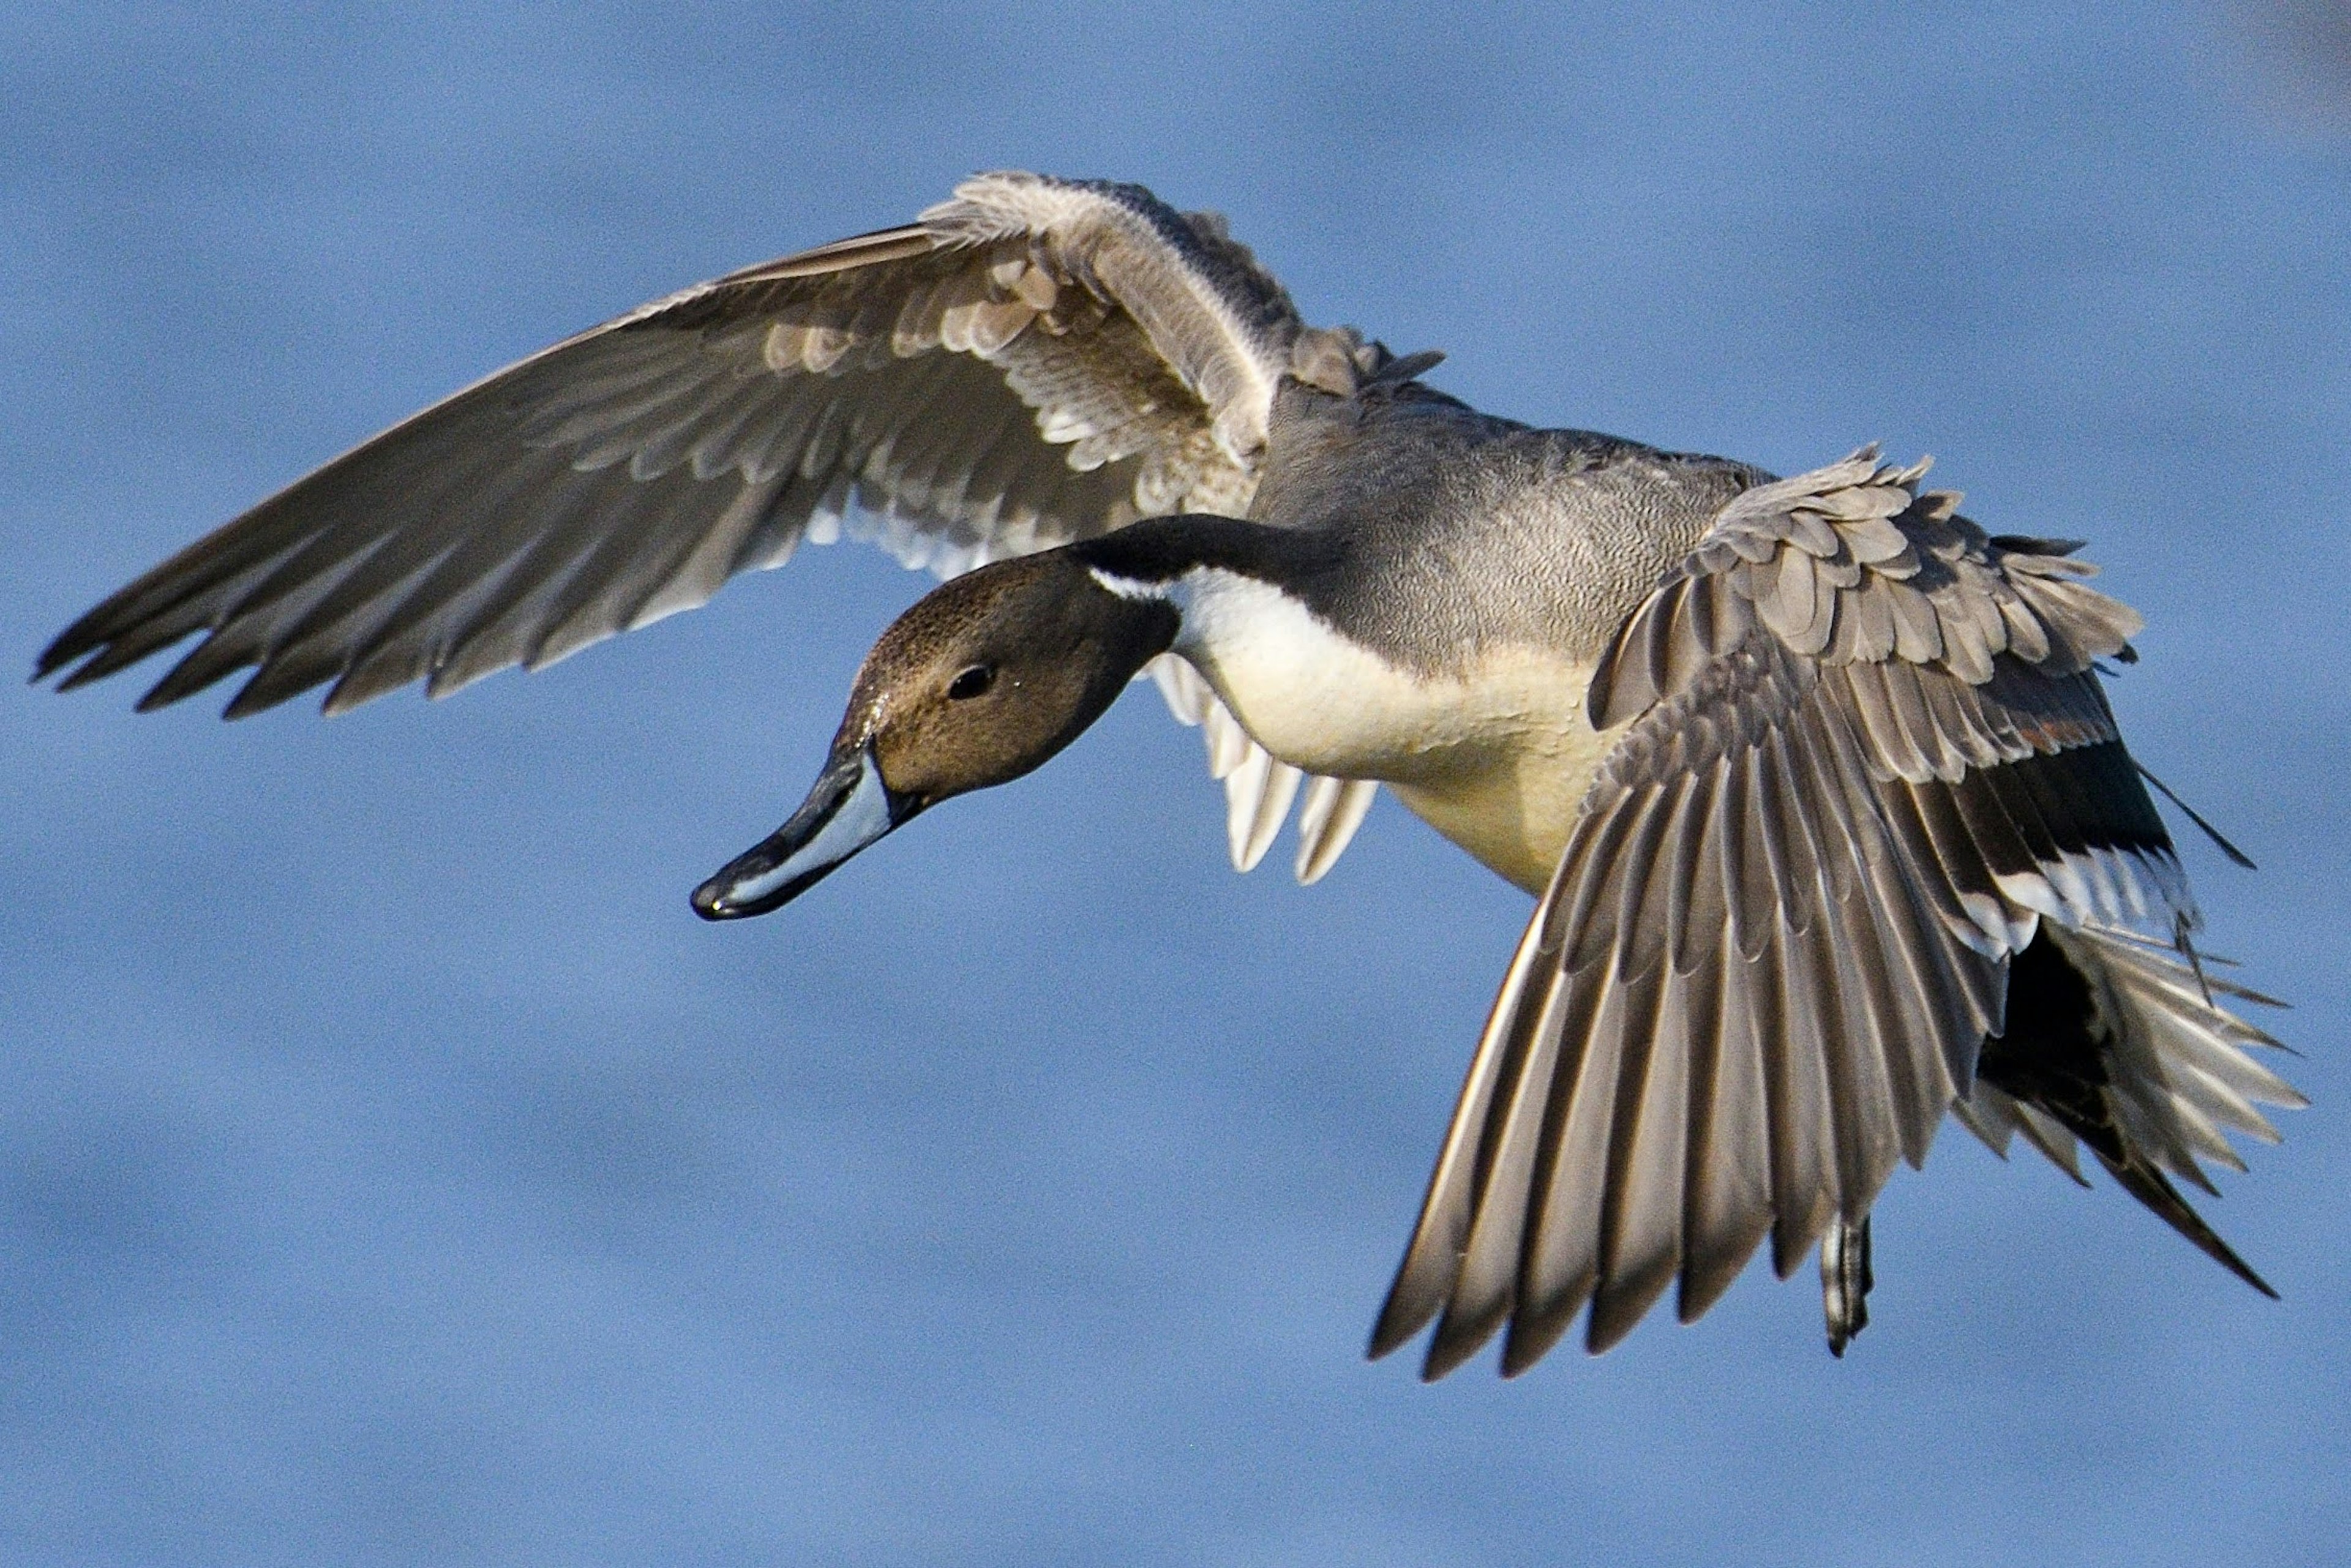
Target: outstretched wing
(1034,361)
(1867,753)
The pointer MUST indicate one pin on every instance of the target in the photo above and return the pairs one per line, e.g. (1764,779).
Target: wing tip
(1535,1332)
(54,657)
(92,632)
(1448,1353)
(69,680)
(1387,1338)
(1461,1334)
(1414,1299)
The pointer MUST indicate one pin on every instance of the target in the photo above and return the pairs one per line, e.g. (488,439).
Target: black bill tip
(849,808)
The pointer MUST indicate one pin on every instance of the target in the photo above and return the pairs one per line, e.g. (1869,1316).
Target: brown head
(981,681)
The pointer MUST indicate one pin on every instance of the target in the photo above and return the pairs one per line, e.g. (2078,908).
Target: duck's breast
(1495,752)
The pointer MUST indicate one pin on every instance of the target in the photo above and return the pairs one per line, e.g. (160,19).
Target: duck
(1831,830)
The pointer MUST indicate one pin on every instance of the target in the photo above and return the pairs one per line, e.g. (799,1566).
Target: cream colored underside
(1496,760)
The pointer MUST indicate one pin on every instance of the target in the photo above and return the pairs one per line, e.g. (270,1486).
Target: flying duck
(1829,822)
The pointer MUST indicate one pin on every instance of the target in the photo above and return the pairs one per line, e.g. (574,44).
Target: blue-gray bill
(849,808)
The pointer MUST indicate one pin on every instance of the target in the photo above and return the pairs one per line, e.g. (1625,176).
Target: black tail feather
(2051,1057)
(2211,832)
(2152,1188)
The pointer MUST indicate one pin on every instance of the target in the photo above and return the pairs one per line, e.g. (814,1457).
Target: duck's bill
(848,810)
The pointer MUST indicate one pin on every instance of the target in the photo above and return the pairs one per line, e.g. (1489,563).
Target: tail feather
(2145,1183)
(2118,1041)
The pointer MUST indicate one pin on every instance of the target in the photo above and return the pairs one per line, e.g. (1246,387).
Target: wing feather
(1862,764)
(1727,1191)
(1093,310)
(1033,361)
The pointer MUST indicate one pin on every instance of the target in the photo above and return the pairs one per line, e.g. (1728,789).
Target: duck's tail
(2115,1041)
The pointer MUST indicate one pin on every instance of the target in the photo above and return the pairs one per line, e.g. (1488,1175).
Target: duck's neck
(1495,756)
(1251,617)
(1157,552)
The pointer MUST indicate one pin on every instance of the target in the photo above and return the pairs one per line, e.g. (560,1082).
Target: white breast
(1497,759)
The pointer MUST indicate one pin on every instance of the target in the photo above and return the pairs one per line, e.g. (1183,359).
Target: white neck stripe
(1131,588)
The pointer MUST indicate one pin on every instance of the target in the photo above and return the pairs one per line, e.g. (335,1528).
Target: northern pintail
(1816,782)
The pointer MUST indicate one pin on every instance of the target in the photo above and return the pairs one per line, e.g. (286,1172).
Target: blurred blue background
(393,1170)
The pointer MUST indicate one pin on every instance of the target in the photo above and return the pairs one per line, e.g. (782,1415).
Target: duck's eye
(971,682)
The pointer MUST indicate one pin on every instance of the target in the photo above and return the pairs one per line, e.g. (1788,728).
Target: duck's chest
(1495,754)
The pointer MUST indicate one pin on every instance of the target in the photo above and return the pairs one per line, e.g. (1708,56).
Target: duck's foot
(1845,1280)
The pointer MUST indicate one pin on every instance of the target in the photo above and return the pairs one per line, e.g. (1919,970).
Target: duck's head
(985,678)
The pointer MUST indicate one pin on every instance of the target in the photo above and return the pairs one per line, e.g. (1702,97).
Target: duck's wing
(1866,755)
(1034,361)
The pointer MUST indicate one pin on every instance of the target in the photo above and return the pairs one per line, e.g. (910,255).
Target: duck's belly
(1497,759)
(1514,818)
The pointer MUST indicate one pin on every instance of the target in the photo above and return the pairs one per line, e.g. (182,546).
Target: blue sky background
(393,1170)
